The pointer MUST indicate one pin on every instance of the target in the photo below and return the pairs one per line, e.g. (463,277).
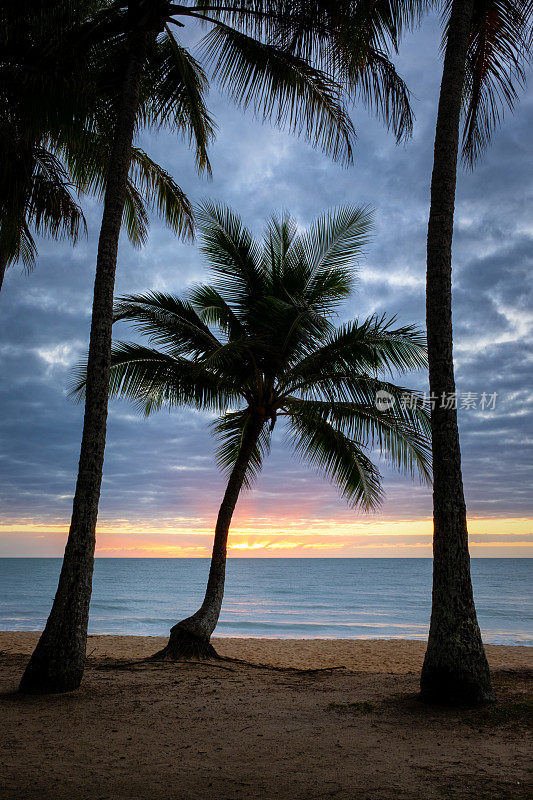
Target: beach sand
(232,731)
(397,656)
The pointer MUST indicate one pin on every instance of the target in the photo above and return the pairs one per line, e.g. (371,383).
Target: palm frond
(278,240)
(17,243)
(331,247)
(401,435)
(400,349)
(385,93)
(51,207)
(356,349)
(152,379)
(162,194)
(282,88)
(337,456)
(348,41)
(233,254)
(169,321)
(174,95)
(286,329)
(498,55)
(135,216)
(214,310)
(37,196)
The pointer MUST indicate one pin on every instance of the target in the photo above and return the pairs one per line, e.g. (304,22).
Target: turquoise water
(351,598)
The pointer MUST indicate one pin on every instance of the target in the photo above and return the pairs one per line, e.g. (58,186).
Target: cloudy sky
(161,489)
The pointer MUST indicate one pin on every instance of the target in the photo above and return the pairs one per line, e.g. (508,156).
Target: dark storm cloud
(163,467)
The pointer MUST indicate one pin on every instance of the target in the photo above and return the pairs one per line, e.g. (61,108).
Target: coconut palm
(487,44)
(253,57)
(58,660)
(260,346)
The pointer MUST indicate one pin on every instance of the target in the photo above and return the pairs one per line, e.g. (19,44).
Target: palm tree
(260,345)
(57,662)
(486,48)
(252,56)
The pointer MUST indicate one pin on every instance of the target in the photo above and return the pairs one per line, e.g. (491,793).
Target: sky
(161,488)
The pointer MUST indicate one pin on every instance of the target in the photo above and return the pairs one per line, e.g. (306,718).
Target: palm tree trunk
(190,638)
(3,267)
(455,668)
(58,660)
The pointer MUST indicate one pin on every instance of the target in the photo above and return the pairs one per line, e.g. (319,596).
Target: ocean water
(350,598)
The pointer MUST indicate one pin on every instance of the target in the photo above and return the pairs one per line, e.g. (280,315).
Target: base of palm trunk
(45,676)
(455,687)
(184,645)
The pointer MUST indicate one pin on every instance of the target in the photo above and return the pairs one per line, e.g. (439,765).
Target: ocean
(300,598)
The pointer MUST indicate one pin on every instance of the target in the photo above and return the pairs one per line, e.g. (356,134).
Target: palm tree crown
(60,73)
(261,344)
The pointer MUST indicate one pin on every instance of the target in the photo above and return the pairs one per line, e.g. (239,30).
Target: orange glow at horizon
(192,538)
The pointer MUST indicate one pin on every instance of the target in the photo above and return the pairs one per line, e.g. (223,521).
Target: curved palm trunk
(57,662)
(190,638)
(455,669)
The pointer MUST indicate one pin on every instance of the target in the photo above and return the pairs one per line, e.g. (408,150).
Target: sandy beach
(233,731)
(394,656)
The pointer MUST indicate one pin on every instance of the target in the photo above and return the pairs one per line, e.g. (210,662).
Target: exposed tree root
(185,646)
(279,669)
(132,666)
